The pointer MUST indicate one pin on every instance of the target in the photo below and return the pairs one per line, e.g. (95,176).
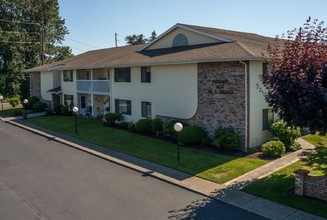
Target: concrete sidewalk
(228,193)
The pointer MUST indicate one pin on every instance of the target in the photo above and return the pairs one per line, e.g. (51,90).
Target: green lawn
(211,166)
(279,186)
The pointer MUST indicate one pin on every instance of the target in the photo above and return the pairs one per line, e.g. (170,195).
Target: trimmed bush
(273,148)
(192,135)
(168,129)
(226,138)
(131,126)
(286,134)
(66,110)
(57,109)
(143,126)
(112,118)
(49,112)
(39,106)
(156,126)
(18,112)
(31,101)
(123,125)
(13,101)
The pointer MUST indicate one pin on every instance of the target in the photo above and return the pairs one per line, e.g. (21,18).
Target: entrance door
(83,104)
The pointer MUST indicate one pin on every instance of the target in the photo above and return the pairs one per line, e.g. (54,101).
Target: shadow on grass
(317,160)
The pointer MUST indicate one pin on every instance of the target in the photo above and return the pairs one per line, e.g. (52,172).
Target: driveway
(44,179)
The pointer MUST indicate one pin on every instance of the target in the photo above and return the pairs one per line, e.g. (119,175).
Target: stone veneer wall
(221,97)
(35,87)
(35,84)
(313,186)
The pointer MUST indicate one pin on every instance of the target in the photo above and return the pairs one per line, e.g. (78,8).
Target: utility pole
(116,39)
(42,42)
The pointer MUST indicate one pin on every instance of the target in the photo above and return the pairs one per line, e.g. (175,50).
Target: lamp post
(178,127)
(75,110)
(1,99)
(25,105)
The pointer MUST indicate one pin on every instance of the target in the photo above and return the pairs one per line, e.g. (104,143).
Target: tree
(139,39)
(296,76)
(27,26)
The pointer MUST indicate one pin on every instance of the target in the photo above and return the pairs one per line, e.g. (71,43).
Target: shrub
(123,125)
(49,112)
(286,134)
(273,148)
(13,101)
(168,129)
(192,135)
(131,126)
(156,126)
(31,101)
(143,126)
(17,112)
(57,109)
(111,118)
(226,138)
(66,110)
(39,106)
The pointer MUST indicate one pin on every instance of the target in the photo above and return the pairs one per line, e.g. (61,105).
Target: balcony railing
(93,86)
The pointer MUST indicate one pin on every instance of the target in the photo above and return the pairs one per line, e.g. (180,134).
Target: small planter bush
(13,101)
(31,101)
(57,109)
(131,126)
(18,112)
(49,112)
(273,148)
(143,126)
(226,138)
(112,118)
(39,106)
(66,110)
(156,126)
(286,134)
(192,135)
(123,125)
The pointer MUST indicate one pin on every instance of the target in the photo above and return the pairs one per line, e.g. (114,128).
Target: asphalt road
(43,179)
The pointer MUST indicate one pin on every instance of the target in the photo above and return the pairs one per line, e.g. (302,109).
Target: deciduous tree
(296,76)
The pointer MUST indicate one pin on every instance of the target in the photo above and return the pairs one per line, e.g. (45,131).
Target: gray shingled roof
(244,46)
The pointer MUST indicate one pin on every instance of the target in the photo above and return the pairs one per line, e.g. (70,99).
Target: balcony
(100,87)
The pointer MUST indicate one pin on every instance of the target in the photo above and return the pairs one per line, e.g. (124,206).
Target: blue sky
(93,23)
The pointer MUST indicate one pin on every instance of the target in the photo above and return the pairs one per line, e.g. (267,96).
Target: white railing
(93,86)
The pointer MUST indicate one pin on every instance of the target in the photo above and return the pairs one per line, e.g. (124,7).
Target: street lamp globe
(178,127)
(25,101)
(75,109)
(1,97)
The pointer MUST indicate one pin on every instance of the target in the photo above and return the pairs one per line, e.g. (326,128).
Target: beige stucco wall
(173,91)
(193,39)
(256,105)
(69,88)
(46,84)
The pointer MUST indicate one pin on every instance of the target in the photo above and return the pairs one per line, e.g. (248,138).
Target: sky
(92,24)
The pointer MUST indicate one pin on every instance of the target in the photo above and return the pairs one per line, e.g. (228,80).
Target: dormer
(183,35)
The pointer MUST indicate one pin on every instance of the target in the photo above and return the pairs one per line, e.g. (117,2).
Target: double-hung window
(68,75)
(123,74)
(146,74)
(146,109)
(123,106)
(267,118)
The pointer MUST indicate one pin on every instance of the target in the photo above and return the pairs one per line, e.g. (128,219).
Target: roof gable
(191,35)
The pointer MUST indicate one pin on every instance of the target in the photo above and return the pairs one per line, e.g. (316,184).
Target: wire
(81,43)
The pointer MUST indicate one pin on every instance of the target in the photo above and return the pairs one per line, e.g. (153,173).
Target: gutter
(246,103)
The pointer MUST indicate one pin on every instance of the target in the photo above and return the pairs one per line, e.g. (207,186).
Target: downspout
(246,103)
